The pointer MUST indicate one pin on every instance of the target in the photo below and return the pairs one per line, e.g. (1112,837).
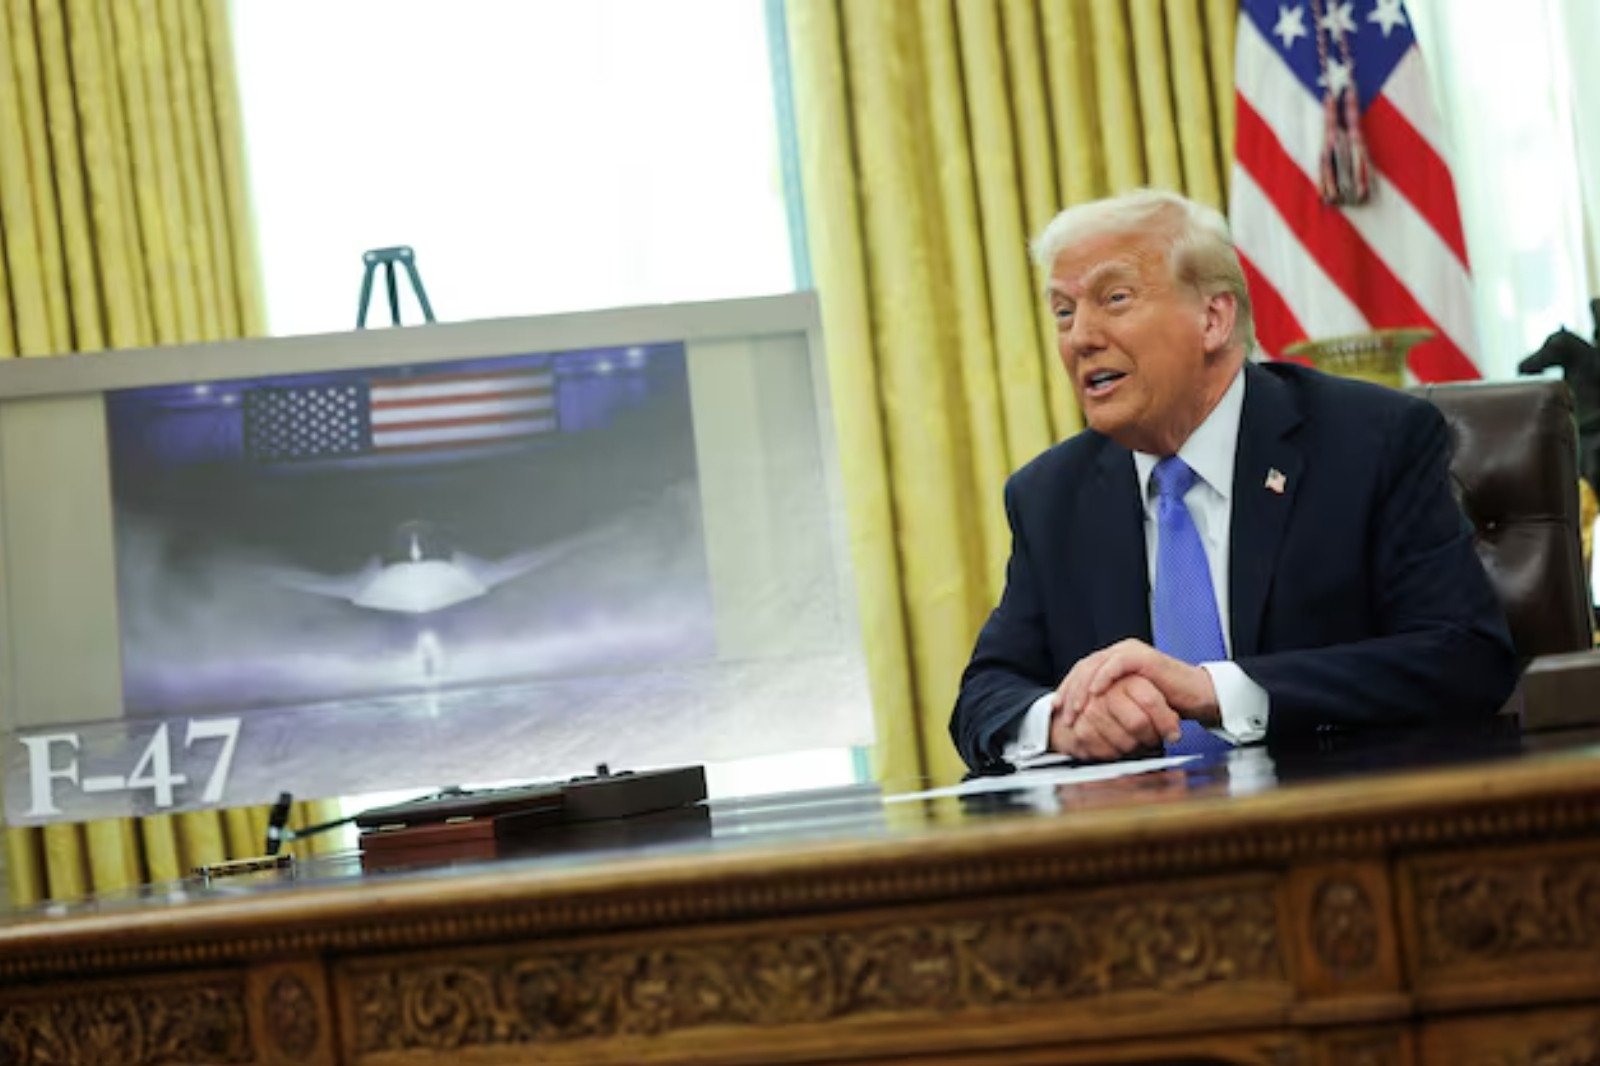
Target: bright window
(540,155)
(1506,97)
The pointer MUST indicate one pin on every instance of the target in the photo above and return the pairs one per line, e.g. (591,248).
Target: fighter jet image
(421,572)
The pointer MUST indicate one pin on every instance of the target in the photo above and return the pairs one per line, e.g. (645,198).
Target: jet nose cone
(416,540)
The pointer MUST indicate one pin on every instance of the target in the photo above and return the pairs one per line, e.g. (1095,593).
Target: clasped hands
(1126,697)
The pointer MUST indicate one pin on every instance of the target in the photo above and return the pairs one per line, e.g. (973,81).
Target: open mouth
(1101,382)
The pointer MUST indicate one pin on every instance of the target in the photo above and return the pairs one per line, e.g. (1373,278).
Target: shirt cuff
(1033,733)
(1244,704)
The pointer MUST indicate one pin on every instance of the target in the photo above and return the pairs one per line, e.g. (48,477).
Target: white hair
(1200,251)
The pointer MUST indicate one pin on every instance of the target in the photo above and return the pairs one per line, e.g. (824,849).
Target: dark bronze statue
(1579,361)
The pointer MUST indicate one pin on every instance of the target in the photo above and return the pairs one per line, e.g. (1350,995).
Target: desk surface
(1372,780)
(1368,887)
(1374,772)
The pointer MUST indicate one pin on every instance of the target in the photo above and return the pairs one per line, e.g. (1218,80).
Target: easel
(278,831)
(403,255)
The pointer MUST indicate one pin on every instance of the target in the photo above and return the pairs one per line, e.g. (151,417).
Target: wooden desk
(1377,915)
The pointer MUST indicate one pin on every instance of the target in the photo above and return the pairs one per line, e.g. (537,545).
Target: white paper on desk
(1046,776)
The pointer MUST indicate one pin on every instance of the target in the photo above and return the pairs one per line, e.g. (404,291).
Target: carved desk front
(1354,906)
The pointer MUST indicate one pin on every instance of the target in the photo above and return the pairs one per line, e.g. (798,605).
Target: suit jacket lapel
(1113,560)
(1267,461)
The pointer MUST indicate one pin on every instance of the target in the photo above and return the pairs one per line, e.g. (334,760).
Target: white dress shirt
(1209,452)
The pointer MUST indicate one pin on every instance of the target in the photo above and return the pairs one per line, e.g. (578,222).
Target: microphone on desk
(279,833)
(278,823)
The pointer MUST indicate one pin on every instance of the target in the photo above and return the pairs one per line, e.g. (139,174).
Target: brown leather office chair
(1516,473)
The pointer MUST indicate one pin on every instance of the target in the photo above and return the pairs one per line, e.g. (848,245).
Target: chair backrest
(1516,475)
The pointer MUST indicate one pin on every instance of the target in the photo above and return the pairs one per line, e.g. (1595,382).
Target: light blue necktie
(1184,607)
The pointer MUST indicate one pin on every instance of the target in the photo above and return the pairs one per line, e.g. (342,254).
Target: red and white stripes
(452,410)
(1317,270)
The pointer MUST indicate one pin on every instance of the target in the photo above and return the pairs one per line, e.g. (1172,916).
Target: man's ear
(1220,310)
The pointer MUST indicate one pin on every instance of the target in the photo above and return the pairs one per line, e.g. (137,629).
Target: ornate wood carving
(113,1027)
(1486,911)
(1344,925)
(1032,955)
(1365,1049)
(291,1017)
(1281,1052)
(1578,1049)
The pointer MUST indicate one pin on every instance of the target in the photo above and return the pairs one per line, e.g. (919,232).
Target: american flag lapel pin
(1276,482)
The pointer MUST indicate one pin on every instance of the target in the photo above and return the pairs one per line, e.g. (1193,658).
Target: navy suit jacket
(1355,595)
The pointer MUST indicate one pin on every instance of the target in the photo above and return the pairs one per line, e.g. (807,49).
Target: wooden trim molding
(1377,1047)
(1525,1038)
(1357,820)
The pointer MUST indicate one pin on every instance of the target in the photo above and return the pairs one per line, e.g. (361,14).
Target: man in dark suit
(1230,549)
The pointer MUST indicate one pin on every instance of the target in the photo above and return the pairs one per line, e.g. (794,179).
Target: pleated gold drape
(123,223)
(936,137)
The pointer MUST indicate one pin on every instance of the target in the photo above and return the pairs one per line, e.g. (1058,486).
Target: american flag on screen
(1320,270)
(452,411)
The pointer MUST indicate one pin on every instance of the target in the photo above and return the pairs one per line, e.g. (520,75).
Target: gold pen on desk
(234,867)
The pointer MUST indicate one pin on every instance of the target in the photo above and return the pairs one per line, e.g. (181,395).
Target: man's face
(1144,351)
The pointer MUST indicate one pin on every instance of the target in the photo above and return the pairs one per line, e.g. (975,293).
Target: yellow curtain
(123,223)
(936,137)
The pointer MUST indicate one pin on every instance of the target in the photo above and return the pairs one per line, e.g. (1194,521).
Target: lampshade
(1378,356)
